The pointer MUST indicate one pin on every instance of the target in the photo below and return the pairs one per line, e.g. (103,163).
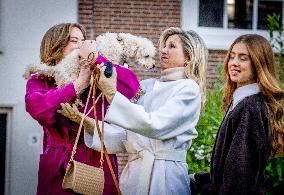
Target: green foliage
(276,35)
(274,176)
(274,172)
(199,155)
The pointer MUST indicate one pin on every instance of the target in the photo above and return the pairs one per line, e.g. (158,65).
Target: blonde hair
(55,40)
(194,48)
(262,59)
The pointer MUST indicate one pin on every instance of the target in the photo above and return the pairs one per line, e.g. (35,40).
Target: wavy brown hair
(263,63)
(55,40)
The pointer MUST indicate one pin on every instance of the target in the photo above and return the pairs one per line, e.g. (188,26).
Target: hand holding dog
(107,85)
(88,52)
(88,55)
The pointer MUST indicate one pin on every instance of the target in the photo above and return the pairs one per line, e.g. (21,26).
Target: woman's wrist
(192,178)
(79,87)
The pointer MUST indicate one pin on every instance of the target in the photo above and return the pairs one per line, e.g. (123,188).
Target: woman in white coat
(158,130)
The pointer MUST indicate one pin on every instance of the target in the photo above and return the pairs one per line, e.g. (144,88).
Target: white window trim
(1,27)
(216,38)
(8,111)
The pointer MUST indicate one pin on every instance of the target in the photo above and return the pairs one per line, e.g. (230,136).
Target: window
(240,14)
(3,130)
(219,22)
(5,125)
(1,18)
(211,13)
(268,7)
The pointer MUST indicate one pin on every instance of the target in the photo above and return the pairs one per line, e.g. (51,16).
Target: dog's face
(138,50)
(145,54)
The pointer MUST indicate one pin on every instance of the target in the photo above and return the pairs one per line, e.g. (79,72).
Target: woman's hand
(88,53)
(75,115)
(83,80)
(107,85)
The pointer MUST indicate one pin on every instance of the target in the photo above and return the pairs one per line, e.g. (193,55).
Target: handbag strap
(82,121)
(100,133)
(94,80)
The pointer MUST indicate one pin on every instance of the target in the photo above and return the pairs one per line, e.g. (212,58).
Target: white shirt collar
(243,92)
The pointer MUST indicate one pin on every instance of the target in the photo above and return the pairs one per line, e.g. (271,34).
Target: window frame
(1,28)
(218,38)
(7,110)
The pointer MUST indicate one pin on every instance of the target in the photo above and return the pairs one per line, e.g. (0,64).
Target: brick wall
(86,15)
(147,18)
(215,58)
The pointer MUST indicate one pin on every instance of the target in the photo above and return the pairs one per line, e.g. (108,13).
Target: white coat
(159,131)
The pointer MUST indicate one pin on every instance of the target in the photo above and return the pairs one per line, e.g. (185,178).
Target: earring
(186,63)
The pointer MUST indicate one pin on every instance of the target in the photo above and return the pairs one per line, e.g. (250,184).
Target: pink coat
(43,100)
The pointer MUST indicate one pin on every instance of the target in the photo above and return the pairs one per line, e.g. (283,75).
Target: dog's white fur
(123,48)
(118,48)
(64,72)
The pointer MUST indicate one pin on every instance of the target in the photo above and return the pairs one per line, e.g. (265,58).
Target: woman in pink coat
(43,98)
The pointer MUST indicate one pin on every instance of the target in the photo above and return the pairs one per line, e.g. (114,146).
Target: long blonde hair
(195,48)
(55,40)
(262,59)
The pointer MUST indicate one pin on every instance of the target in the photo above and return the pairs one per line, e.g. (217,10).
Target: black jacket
(241,150)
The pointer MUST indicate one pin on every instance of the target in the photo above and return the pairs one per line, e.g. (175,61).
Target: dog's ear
(129,44)
(132,49)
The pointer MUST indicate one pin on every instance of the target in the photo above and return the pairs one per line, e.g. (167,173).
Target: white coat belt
(148,159)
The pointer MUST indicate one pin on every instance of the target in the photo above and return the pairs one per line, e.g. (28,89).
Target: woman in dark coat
(252,129)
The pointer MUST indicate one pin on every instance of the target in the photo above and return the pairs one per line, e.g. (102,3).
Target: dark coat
(241,150)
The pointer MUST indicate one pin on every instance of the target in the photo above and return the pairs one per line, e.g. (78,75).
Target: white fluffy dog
(121,48)
(127,49)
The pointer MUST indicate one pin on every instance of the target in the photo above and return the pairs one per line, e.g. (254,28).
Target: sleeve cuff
(93,141)
(69,92)
(112,108)
(101,59)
